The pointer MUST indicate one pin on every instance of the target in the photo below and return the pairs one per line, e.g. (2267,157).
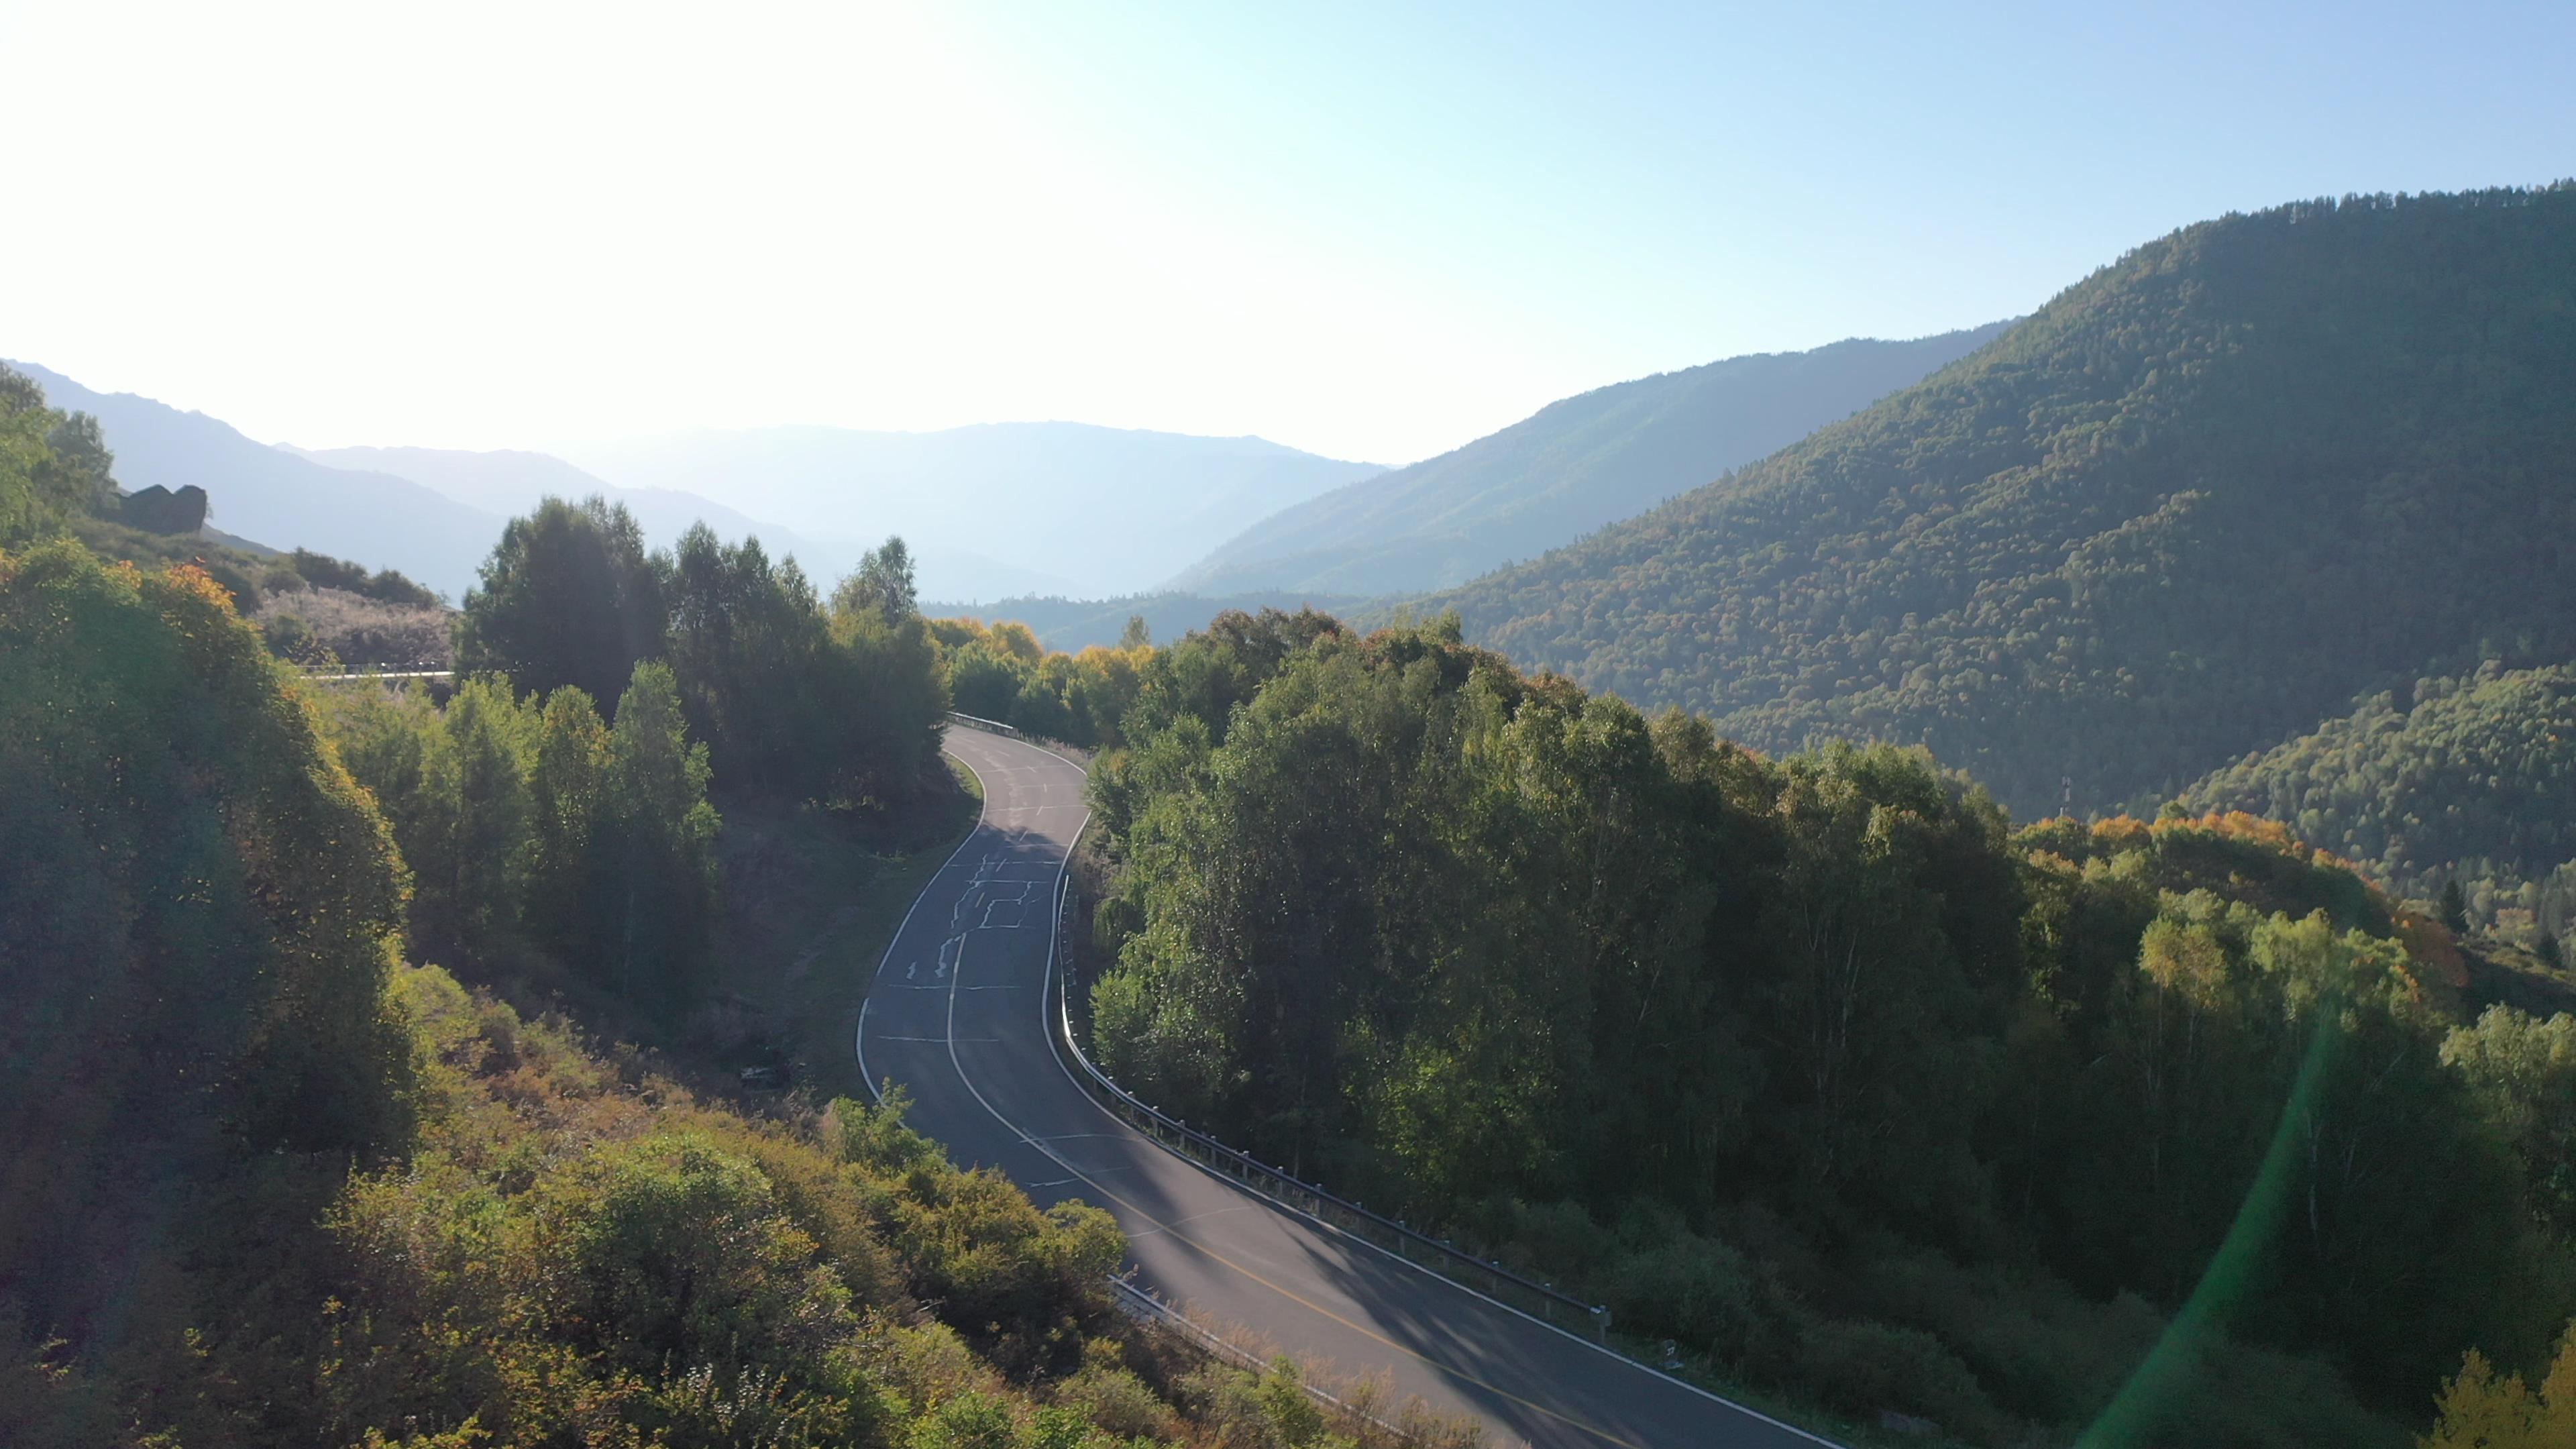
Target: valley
(1998,882)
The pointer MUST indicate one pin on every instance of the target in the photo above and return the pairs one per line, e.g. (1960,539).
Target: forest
(1651,1014)
(276,1180)
(2466,782)
(2195,504)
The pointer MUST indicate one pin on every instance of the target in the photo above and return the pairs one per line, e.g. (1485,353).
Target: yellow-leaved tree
(2483,1411)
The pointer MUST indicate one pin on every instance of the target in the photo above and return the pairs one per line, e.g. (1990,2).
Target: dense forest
(2198,502)
(272,1182)
(2467,781)
(1665,1019)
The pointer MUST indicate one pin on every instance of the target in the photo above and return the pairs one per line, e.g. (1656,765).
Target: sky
(1373,231)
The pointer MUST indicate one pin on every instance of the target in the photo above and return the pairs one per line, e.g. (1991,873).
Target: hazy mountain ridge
(511,481)
(279,498)
(2104,548)
(1571,467)
(991,511)
(1072,625)
(995,509)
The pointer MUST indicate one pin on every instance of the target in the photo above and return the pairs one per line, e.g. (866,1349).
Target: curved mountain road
(956,1017)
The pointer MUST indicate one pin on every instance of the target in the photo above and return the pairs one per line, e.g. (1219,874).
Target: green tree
(570,775)
(659,867)
(469,848)
(198,914)
(883,582)
(52,467)
(754,660)
(2523,1071)
(567,597)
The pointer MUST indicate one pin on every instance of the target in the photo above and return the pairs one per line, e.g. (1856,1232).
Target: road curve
(956,1017)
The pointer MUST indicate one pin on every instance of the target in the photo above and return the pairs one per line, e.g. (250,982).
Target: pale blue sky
(1370,230)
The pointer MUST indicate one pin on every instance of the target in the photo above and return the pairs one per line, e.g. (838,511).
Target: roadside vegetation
(1816,1065)
(272,1181)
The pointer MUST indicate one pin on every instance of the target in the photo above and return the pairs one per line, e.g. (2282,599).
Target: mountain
(1073,625)
(1564,471)
(511,482)
(2201,500)
(280,499)
(998,509)
(2473,776)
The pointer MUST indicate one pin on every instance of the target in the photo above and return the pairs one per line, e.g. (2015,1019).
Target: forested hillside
(271,1183)
(1565,470)
(2469,779)
(2198,502)
(1816,1065)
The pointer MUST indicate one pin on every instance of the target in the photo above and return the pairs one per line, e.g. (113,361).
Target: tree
(2482,1411)
(470,848)
(569,777)
(198,913)
(1135,635)
(568,596)
(2455,908)
(52,466)
(882,581)
(659,870)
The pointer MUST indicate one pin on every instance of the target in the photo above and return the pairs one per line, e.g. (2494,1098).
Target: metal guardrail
(989,726)
(1537,1299)
(1142,1305)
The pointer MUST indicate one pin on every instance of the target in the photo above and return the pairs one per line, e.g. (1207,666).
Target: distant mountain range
(1564,471)
(1000,509)
(2199,502)
(279,499)
(1074,625)
(993,511)
(509,482)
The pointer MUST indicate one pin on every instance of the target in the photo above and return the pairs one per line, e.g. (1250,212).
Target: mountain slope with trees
(2198,502)
(1565,470)
(2473,782)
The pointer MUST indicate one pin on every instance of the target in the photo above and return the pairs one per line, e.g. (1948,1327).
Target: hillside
(283,500)
(996,510)
(512,481)
(2475,776)
(2196,503)
(1563,471)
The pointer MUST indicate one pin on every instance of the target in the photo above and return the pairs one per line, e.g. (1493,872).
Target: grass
(812,898)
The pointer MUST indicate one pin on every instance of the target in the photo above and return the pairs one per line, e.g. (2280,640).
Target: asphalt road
(955,1017)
